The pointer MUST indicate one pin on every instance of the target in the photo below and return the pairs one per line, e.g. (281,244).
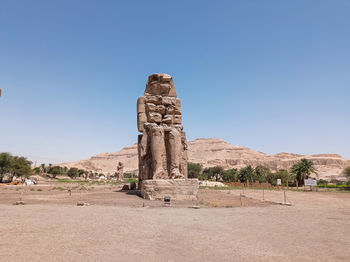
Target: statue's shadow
(129,192)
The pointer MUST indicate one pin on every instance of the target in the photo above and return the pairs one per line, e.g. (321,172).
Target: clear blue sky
(270,75)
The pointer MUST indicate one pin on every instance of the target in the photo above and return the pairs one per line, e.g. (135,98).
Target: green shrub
(129,175)
(337,182)
(203,176)
(194,170)
(215,172)
(230,175)
(131,180)
(58,188)
(73,172)
(346,173)
(322,182)
(332,186)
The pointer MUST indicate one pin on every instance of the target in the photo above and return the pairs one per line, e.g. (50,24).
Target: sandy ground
(123,227)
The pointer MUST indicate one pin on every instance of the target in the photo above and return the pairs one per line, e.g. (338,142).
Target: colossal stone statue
(120,172)
(162,147)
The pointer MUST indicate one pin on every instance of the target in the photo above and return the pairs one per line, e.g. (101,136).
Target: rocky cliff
(215,151)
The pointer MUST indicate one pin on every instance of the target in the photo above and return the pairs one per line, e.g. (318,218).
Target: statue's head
(160,84)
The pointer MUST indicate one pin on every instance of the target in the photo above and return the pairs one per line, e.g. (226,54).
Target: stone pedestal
(177,189)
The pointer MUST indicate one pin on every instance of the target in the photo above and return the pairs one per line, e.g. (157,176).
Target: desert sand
(120,226)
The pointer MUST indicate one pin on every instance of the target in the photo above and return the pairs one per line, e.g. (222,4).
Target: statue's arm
(141,113)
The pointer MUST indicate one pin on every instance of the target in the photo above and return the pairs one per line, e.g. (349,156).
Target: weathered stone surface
(162,146)
(160,109)
(154,117)
(120,171)
(177,119)
(177,189)
(160,85)
(157,100)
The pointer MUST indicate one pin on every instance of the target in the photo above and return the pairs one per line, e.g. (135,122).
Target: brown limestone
(176,189)
(162,147)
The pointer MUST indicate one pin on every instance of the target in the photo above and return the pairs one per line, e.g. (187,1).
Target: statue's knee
(157,131)
(174,133)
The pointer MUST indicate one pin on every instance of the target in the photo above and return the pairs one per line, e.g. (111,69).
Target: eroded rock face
(162,146)
(213,151)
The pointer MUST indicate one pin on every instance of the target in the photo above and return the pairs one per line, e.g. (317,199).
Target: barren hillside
(215,151)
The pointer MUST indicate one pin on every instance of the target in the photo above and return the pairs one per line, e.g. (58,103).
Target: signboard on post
(310,182)
(279,181)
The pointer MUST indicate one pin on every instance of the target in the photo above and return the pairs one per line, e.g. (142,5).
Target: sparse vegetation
(285,177)
(129,175)
(194,170)
(336,182)
(261,174)
(322,182)
(333,186)
(59,188)
(131,180)
(246,174)
(346,173)
(212,173)
(230,175)
(73,172)
(56,170)
(63,180)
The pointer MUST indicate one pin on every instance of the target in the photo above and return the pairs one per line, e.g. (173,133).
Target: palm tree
(303,169)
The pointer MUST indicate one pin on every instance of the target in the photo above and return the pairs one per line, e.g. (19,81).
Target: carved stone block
(162,147)
(176,189)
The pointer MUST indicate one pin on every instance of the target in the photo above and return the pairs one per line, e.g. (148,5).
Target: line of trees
(17,166)
(20,167)
(50,169)
(54,171)
(296,175)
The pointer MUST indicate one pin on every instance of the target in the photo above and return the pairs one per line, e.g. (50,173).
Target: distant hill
(215,151)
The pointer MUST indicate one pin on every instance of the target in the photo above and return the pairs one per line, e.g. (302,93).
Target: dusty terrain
(111,195)
(211,152)
(123,227)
